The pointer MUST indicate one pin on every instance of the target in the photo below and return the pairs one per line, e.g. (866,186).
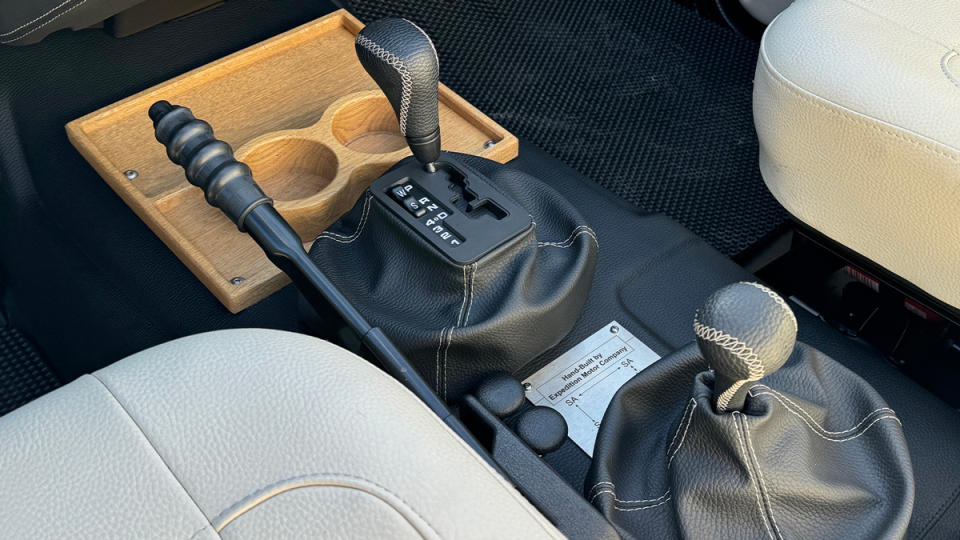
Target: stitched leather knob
(402,60)
(745,331)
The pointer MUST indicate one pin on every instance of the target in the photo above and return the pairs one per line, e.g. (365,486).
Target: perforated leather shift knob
(745,331)
(402,60)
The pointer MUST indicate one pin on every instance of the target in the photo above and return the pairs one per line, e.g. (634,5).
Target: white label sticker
(580,383)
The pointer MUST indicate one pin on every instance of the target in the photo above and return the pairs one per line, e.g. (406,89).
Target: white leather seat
(857,107)
(246,434)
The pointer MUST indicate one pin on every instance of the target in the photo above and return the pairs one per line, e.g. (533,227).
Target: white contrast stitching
(810,416)
(430,41)
(732,345)
(684,436)
(459,324)
(739,349)
(612,492)
(723,401)
(28,23)
(360,226)
(598,484)
(396,63)
(443,336)
(581,230)
(21,36)
(612,489)
(756,487)
(621,509)
(463,304)
(763,484)
(776,298)
(817,429)
(473,274)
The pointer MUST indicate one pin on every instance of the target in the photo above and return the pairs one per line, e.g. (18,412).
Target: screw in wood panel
(237,280)
(131,174)
(488,144)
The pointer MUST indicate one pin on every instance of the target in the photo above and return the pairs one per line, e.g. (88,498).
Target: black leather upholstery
(459,323)
(652,274)
(815,453)
(23,22)
(401,58)
(745,331)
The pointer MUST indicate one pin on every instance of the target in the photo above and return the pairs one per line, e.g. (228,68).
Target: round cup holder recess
(291,169)
(315,174)
(368,125)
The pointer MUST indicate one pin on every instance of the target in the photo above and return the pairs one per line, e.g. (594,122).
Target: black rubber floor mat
(24,376)
(646,98)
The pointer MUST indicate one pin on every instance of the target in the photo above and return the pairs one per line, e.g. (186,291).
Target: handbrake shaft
(228,184)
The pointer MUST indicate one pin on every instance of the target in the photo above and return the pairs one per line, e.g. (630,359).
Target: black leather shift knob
(745,331)
(402,60)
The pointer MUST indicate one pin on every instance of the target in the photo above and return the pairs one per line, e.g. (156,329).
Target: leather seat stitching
(894,22)
(68,10)
(943,67)
(756,487)
(885,412)
(498,478)
(155,451)
(845,113)
(200,530)
(360,226)
(764,492)
(224,518)
(44,14)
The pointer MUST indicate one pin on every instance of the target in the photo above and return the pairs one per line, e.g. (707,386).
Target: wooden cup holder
(300,110)
(366,123)
(317,173)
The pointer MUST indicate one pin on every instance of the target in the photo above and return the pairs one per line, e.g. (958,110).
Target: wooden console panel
(301,111)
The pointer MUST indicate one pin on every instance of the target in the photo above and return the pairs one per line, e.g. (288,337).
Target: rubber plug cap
(543,429)
(501,394)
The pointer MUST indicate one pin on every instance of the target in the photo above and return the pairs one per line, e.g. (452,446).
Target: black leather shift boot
(458,323)
(815,453)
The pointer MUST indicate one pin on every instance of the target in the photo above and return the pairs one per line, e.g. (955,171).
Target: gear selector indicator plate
(580,383)
(454,207)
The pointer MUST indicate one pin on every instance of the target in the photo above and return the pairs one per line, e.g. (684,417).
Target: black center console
(493,272)
(466,269)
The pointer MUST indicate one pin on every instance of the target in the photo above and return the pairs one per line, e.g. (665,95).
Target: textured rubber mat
(24,375)
(646,98)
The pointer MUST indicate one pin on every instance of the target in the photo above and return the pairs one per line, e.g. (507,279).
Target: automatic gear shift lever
(402,60)
(745,331)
